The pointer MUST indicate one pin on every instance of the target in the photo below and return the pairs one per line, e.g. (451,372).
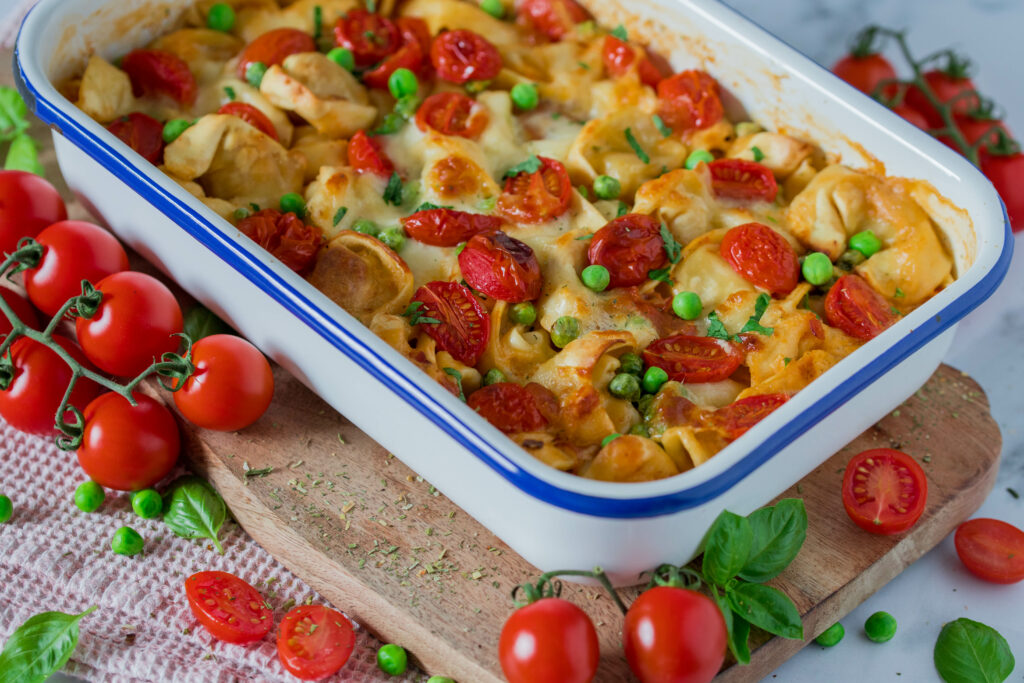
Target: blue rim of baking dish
(274,286)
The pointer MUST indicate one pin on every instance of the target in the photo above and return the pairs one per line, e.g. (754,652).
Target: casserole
(553,520)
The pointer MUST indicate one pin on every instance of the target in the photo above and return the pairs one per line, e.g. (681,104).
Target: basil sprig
(971,652)
(192,509)
(23,152)
(40,647)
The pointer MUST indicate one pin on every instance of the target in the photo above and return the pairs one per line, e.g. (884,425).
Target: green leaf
(758,154)
(430,206)
(339,215)
(672,248)
(531,165)
(659,123)
(754,323)
(971,652)
(23,155)
(779,533)
(412,312)
(192,509)
(736,627)
(452,372)
(40,647)
(726,547)
(716,328)
(767,608)
(202,322)
(13,114)
(622,210)
(641,154)
(620,32)
(660,274)
(393,192)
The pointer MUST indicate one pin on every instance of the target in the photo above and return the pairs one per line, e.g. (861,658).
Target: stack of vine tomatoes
(124,446)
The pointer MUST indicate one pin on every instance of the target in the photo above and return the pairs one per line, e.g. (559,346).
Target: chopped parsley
(318,23)
(661,275)
(672,248)
(899,293)
(659,123)
(641,154)
(623,209)
(393,192)
(339,215)
(620,32)
(412,312)
(457,376)
(582,189)
(487,204)
(429,206)
(584,237)
(716,328)
(754,323)
(371,6)
(531,165)
(230,92)
(584,66)
(787,360)
(758,154)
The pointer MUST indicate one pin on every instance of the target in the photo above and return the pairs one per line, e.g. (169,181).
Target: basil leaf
(40,647)
(726,547)
(13,114)
(716,328)
(393,192)
(767,608)
(531,165)
(672,248)
(457,376)
(201,322)
(971,652)
(192,509)
(754,323)
(736,627)
(779,533)
(620,33)
(23,155)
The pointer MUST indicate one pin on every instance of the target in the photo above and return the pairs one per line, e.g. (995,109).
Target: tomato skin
(156,72)
(743,180)
(41,377)
(365,156)
(618,57)
(501,267)
(945,88)
(75,251)
(692,359)
(273,47)
(508,406)
(312,653)
(133,326)
(553,18)
(537,197)
(864,73)
(877,483)
(911,115)
(674,635)
(857,309)
(409,56)
(142,133)
(370,36)
(549,641)
(991,550)
(28,204)
(1007,175)
(21,307)
(461,56)
(452,113)
(464,325)
(228,607)
(690,99)
(251,115)
(739,417)
(763,257)
(447,227)
(285,235)
(629,247)
(125,447)
(232,385)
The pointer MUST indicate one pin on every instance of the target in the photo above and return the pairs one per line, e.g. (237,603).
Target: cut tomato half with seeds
(537,197)
(762,256)
(228,607)
(452,113)
(692,359)
(155,72)
(884,491)
(857,309)
(630,247)
(314,642)
(462,325)
(508,406)
(743,180)
(501,267)
(251,115)
(737,418)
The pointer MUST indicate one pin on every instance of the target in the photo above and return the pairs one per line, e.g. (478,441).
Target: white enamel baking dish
(554,520)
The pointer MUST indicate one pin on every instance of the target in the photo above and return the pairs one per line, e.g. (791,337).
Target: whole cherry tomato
(285,235)
(630,247)
(462,326)
(28,204)
(155,72)
(762,256)
(976,128)
(691,359)
(75,251)
(549,641)
(228,607)
(135,324)
(690,99)
(251,115)
(365,155)
(232,385)
(743,180)
(991,549)
(508,406)
(537,197)
(370,36)
(40,379)
(618,57)
(1007,175)
(314,641)
(674,635)
(461,56)
(501,267)
(857,309)
(884,491)
(21,307)
(865,72)
(273,47)
(452,113)
(126,447)
(447,227)
(946,86)
(553,18)
(737,418)
(911,115)
(142,133)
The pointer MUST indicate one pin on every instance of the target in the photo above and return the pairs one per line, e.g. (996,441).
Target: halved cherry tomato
(501,267)
(285,235)
(508,406)
(742,179)
(273,47)
(74,251)
(251,115)
(415,29)
(155,72)
(864,73)
(1007,175)
(460,56)
(674,635)
(29,204)
(413,54)
(142,133)
(314,641)
(884,491)
(365,155)
(689,99)
(539,196)
(945,87)
(553,18)
(737,418)
(447,227)
(630,247)
(370,36)
(21,307)
(911,115)
(991,549)
(228,607)
(464,325)
(692,359)
(40,379)
(857,309)
(618,56)
(762,256)
(452,113)
(549,641)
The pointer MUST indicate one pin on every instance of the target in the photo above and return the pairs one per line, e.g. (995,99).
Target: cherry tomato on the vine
(945,87)
(251,115)
(273,47)
(291,240)
(228,607)
(884,491)
(630,247)
(28,204)
(911,115)
(762,256)
(314,641)
(501,267)
(452,113)
(690,99)
(462,327)
(21,307)
(864,73)
(1006,172)
(857,309)
(692,359)
(142,133)
(508,406)
(991,549)
(539,196)
(156,72)
(461,56)
(549,641)
(447,227)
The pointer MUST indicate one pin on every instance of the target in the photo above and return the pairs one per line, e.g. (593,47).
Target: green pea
(596,277)
(831,636)
(221,17)
(640,429)
(817,268)
(174,128)
(89,496)
(241,213)
(880,627)
(608,439)
(147,503)
(366,226)
(524,95)
(866,242)
(497,10)
(565,330)
(607,187)
(493,376)
(392,659)
(393,237)
(6,509)
(687,305)
(343,57)
(523,313)
(402,82)
(445,679)
(293,203)
(624,385)
(126,541)
(653,379)
(255,72)
(697,156)
(631,363)
(644,404)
